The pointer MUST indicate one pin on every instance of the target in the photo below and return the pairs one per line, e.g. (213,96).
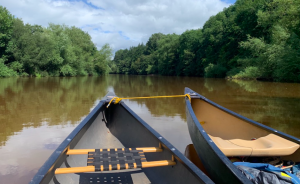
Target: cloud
(120,23)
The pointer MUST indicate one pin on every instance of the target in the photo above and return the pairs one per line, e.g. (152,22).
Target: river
(36,114)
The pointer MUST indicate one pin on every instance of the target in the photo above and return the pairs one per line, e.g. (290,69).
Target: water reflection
(26,151)
(128,86)
(274,104)
(36,114)
(27,102)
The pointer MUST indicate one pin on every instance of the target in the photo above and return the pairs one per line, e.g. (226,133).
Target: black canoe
(218,133)
(114,145)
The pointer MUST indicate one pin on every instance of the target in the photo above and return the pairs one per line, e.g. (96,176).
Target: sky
(120,23)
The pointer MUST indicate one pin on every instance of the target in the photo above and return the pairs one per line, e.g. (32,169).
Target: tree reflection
(143,86)
(28,102)
(274,104)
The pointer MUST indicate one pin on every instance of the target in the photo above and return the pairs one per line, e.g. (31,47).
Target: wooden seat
(270,145)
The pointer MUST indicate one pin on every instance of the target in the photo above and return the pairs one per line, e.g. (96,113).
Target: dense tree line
(250,39)
(57,50)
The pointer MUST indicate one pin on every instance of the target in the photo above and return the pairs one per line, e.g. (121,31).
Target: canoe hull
(217,121)
(215,164)
(219,168)
(142,135)
(117,127)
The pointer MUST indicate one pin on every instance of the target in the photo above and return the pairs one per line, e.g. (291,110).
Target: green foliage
(57,50)
(215,71)
(131,61)
(188,43)
(16,66)
(38,75)
(168,56)
(250,39)
(233,72)
(5,71)
(152,44)
(250,72)
(67,70)
(102,59)
(288,65)
(149,69)
(276,55)
(6,27)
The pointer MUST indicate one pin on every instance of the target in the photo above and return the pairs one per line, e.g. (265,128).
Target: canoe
(114,145)
(219,135)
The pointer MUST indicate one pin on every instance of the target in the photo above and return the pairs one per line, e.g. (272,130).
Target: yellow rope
(117,99)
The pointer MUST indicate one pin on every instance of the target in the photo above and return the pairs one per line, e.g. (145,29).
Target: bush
(233,72)
(38,75)
(16,66)
(288,70)
(44,74)
(149,69)
(250,72)
(67,70)
(5,71)
(24,74)
(214,71)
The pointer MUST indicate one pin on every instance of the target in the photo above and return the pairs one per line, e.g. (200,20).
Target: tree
(6,28)
(168,55)
(102,58)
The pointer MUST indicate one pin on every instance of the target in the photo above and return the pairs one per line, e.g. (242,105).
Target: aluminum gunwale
(178,155)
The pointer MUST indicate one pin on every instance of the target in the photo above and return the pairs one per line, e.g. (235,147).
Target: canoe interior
(216,164)
(121,128)
(221,124)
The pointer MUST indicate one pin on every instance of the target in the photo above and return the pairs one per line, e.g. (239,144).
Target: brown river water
(37,114)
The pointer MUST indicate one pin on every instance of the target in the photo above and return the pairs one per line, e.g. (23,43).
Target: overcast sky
(118,22)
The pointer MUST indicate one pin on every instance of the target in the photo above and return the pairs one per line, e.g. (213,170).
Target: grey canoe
(97,151)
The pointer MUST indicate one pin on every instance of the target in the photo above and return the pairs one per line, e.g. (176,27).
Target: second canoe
(219,134)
